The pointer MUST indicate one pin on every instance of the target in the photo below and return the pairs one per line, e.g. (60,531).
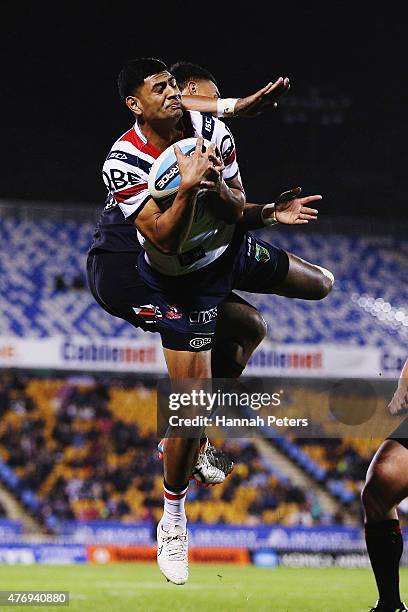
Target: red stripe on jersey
(231,157)
(132,137)
(124,194)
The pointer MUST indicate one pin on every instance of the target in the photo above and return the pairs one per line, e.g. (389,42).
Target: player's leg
(305,280)
(240,329)
(399,403)
(265,268)
(116,285)
(179,459)
(181,453)
(386,486)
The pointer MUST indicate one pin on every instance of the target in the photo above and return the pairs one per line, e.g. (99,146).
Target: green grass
(215,588)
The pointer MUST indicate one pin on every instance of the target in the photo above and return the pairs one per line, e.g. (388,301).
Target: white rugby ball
(164,177)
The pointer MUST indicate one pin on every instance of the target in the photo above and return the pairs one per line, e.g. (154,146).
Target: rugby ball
(164,177)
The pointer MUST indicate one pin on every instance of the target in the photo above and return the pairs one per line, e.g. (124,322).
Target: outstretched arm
(289,209)
(262,100)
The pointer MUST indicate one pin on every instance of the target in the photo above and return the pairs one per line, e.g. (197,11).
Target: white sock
(174,512)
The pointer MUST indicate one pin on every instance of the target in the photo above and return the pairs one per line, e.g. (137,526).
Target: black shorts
(400,434)
(187,304)
(183,309)
(115,284)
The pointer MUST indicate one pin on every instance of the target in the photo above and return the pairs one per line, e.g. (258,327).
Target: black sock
(384,546)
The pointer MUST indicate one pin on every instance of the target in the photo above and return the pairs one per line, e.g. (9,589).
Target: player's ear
(192,88)
(132,104)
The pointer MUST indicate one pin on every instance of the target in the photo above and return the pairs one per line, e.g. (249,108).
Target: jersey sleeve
(226,145)
(126,183)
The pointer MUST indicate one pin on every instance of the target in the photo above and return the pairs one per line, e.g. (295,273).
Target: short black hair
(186,71)
(134,73)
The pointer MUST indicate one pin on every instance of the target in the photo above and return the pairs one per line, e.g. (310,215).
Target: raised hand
(264,99)
(291,209)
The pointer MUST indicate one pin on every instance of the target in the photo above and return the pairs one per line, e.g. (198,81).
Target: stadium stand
(39,300)
(84,449)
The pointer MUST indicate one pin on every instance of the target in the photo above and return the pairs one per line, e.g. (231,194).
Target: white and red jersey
(125,174)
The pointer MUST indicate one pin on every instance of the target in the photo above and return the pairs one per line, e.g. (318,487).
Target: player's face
(159,97)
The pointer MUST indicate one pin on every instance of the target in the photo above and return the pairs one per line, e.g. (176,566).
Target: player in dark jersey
(386,486)
(196,82)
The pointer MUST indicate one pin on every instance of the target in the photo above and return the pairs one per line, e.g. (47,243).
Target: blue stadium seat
(39,252)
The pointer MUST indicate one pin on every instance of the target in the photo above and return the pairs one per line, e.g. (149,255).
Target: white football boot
(212,465)
(172,553)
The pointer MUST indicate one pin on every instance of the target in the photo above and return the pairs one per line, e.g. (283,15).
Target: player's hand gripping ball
(164,178)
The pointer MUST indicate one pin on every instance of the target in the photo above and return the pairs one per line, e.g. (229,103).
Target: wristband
(226,107)
(269,220)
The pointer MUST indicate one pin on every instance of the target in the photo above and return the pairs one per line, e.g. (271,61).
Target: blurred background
(79,476)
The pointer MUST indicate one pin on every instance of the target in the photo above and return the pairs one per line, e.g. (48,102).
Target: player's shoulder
(208,126)
(129,150)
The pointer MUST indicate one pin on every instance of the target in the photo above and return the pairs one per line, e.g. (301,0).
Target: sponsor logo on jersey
(199,342)
(261,254)
(173,313)
(117,155)
(208,123)
(202,317)
(149,312)
(116,179)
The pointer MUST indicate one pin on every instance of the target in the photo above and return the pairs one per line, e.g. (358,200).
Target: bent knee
(326,282)
(381,489)
(378,505)
(257,328)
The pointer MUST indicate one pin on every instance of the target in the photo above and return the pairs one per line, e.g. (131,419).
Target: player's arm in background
(264,99)
(289,209)
(227,200)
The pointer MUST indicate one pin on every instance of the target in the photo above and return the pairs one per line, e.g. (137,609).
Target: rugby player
(194,244)
(386,486)
(117,287)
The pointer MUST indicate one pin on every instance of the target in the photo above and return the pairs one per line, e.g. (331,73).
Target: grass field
(219,588)
(132,587)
